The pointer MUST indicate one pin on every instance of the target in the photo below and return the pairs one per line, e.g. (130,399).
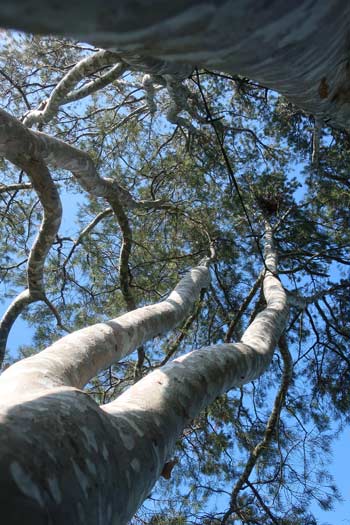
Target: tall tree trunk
(299,48)
(65,460)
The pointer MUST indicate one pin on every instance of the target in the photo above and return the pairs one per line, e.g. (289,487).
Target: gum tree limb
(58,154)
(79,356)
(293,48)
(82,69)
(49,198)
(98,83)
(61,155)
(110,457)
(124,271)
(270,430)
(161,404)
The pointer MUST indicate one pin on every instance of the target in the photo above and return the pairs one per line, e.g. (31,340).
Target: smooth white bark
(153,413)
(79,356)
(66,460)
(297,47)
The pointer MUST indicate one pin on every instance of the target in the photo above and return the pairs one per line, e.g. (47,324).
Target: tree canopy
(155,172)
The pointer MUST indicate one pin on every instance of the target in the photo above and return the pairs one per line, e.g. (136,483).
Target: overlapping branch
(79,356)
(165,400)
(64,92)
(31,150)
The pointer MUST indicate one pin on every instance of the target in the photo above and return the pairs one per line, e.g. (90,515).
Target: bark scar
(323,88)
(168,467)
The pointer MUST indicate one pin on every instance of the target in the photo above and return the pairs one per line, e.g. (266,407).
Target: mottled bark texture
(299,48)
(66,460)
(64,91)
(41,181)
(31,151)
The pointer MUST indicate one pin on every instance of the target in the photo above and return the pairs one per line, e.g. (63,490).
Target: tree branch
(62,91)
(49,198)
(270,429)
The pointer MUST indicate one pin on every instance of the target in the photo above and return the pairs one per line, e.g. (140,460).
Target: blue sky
(340,469)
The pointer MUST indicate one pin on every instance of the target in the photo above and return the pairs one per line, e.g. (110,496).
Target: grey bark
(65,87)
(299,48)
(49,198)
(66,460)
(30,150)
(16,141)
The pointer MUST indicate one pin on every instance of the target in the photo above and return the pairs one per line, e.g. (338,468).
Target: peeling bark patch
(25,483)
(323,89)
(135,465)
(105,452)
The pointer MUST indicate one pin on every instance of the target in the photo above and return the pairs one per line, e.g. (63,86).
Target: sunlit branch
(83,68)
(15,187)
(167,399)
(269,433)
(59,154)
(91,87)
(79,356)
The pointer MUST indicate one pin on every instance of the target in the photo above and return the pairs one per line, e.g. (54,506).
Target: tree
(142,424)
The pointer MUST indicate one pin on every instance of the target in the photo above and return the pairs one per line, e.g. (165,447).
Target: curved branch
(58,154)
(165,400)
(83,68)
(125,251)
(49,198)
(14,310)
(170,397)
(270,429)
(77,357)
(124,271)
(113,74)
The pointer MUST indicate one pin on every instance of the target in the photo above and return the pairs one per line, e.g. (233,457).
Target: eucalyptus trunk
(299,48)
(64,459)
